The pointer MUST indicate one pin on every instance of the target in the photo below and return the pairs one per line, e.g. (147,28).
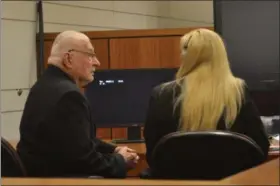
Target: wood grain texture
(150,52)
(103,133)
(119,133)
(101,48)
(265,174)
(99,182)
(114,133)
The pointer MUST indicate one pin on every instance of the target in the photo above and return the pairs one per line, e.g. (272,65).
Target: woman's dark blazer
(161,120)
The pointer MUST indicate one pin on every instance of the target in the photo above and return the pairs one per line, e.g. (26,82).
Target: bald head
(74,54)
(64,42)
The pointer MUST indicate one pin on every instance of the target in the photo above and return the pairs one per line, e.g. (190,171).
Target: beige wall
(18,61)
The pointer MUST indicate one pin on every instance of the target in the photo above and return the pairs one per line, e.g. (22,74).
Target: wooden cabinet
(114,133)
(148,52)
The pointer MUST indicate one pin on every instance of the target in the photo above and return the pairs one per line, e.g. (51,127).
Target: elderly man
(57,135)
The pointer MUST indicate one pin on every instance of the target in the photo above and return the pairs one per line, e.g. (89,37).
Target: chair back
(11,164)
(210,155)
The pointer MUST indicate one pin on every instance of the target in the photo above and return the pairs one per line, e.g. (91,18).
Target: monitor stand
(133,136)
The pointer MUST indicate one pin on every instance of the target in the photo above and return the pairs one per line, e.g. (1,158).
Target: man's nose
(96,62)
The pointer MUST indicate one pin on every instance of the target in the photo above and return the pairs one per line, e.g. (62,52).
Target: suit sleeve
(74,146)
(254,127)
(104,147)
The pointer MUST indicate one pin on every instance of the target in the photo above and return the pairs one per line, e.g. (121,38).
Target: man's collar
(56,70)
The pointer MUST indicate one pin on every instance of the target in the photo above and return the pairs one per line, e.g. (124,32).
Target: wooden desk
(52,181)
(265,174)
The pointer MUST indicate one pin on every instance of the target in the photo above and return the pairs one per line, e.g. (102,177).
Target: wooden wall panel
(47,51)
(104,133)
(169,52)
(148,52)
(119,133)
(101,47)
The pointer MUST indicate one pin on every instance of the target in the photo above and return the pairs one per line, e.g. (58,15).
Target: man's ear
(67,60)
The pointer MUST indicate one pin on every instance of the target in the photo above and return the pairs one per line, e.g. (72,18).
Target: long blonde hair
(209,89)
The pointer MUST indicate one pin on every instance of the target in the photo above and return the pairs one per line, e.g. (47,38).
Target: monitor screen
(250,30)
(121,97)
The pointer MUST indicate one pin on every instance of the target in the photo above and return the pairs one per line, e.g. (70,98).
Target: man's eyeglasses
(91,55)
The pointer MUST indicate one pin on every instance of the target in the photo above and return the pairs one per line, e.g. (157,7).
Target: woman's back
(204,96)
(163,119)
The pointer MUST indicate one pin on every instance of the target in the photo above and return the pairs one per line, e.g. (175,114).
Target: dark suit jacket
(57,135)
(161,121)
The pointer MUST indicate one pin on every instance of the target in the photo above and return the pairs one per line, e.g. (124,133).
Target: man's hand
(130,156)
(117,149)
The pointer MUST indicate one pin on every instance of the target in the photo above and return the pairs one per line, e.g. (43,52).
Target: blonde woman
(204,96)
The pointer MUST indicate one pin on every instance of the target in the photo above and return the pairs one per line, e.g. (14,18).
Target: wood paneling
(147,52)
(104,133)
(101,47)
(169,52)
(47,51)
(114,133)
(119,133)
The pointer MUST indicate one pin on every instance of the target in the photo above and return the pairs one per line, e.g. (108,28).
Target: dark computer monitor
(120,98)
(250,30)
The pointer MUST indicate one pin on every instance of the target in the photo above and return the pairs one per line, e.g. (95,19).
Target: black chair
(11,164)
(210,155)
